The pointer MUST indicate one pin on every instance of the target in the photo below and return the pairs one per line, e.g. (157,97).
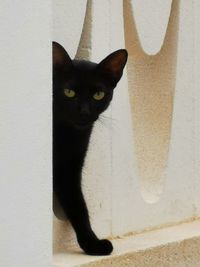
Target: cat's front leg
(74,205)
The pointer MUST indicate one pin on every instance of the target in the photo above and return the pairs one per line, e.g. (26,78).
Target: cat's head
(82,90)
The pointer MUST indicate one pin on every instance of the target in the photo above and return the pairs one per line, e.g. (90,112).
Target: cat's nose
(84,110)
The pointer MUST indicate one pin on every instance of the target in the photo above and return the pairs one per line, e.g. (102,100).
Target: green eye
(69,93)
(99,95)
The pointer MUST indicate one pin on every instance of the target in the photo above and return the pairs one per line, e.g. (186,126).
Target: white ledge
(171,246)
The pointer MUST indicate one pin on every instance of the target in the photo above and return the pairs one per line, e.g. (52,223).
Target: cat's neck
(72,140)
(63,130)
(72,128)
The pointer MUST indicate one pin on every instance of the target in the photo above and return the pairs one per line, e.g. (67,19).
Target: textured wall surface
(142,169)
(143,163)
(25,133)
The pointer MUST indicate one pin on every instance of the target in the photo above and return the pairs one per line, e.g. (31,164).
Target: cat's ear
(60,56)
(112,66)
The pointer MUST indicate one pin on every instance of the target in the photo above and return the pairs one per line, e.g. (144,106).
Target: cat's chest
(71,141)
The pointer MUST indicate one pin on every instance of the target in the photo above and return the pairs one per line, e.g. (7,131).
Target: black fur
(73,119)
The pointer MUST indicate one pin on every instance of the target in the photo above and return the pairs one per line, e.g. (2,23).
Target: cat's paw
(97,247)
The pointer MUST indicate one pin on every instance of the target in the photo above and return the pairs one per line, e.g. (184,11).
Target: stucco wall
(25,134)
(141,172)
(141,169)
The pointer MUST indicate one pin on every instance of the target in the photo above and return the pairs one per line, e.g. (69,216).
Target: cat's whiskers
(107,121)
(106,117)
(103,123)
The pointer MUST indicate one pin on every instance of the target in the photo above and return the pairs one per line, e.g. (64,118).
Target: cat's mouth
(85,124)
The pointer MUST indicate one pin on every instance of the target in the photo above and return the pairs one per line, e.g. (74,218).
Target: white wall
(129,194)
(140,171)
(25,133)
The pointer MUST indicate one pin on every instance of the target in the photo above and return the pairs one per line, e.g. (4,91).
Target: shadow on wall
(151,81)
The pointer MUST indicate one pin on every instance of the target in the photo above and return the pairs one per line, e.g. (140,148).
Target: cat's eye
(69,93)
(99,95)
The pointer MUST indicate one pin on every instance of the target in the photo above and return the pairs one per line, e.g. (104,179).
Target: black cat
(82,90)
